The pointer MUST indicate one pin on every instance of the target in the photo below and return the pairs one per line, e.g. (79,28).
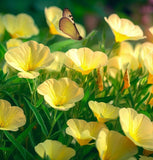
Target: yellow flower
(146,56)
(111,145)
(103,111)
(114,65)
(137,127)
(84,60)
(28,58)
(21,25)
(11,43)
(55,150)
(126,58)
(61,94)
(59,58)
(2,28)
(145,158)
(53,15)
(83,131)
(123,29)
(11,117)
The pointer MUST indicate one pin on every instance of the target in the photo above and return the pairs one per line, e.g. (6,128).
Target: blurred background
(90,13)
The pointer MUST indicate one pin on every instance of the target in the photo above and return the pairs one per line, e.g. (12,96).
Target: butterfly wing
(68,14)
(67,27)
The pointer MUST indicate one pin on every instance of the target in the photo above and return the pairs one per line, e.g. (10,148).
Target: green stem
(53,124)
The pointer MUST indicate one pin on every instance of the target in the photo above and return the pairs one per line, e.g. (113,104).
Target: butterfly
(67,25)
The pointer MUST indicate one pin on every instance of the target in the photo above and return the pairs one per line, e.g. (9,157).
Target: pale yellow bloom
(111,145)
(11,117)
(21,25)
(11,43)
(137,127)
(146,56)
(28,58)
(53,15)
(121,63)
(84,60)
(59,59)
(146,48)
(123,29)
(103,111)
(126,57)
(83,131)
(148,62)
(61,94)
(114,65)
(55,150)
(145,158)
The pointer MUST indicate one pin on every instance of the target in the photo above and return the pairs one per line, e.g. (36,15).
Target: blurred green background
(90,13)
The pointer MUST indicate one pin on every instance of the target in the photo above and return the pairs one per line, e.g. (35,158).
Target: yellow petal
(29,57)
(137,127)
(61,94)
(59,58)
(11,117)
(103,111)
(11,43)
(21,25)
(79,129)
(55,150)
(85,60)
(124,29)
(111,145)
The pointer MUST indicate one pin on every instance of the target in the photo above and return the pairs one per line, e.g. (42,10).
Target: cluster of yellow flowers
(29,57)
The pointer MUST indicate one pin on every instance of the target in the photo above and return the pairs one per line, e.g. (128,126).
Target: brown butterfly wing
(67,27)
(68,14)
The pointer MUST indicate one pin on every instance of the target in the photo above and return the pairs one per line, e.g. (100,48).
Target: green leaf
(24,153)
(38,118)
(2,51)
(89,37)
(10,96)
(21,137)
(142,100)
(45,109)
(65,45)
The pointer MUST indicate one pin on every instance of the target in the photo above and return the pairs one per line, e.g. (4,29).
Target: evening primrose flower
(61,94)
(55,150)
(147,57)
(111,145)
(126,57)
(103,111)
(53,15)
(28,58)
(84,60)
(11,117)
(123,29)
(83,131)
(11,43)
(137,127)
(59,59)
(21,25)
